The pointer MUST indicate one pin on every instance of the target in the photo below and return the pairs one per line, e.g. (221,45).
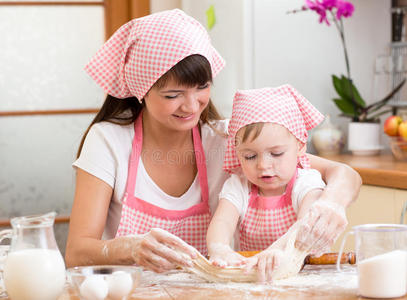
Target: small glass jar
(327,139)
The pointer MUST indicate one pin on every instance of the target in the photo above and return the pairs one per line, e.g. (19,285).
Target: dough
(204,269)
(290,264)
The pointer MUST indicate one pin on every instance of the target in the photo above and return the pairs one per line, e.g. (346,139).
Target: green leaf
(348,94)
(377,105)
(378,114)
(345,106)
(337,82)
(342,87)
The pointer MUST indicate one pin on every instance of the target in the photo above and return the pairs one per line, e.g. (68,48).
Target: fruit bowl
(104,282)
(398,146)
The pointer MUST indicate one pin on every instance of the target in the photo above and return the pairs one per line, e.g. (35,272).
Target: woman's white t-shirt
(105,155)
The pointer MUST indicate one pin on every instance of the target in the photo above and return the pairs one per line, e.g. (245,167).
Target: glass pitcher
(34,268)
(381,259)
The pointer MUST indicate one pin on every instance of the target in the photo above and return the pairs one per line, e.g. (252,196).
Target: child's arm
(311,209)
(307,201)
(220,233)
(329,219)
(274,256)
(309,213)
(269,259)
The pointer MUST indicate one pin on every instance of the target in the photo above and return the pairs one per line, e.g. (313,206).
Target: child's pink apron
(266,219)
(139,216)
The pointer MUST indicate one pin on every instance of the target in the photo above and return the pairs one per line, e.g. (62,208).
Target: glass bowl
(104,282)
(398,146)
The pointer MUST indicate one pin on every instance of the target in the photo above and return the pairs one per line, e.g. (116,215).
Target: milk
(384,275)
(34,274)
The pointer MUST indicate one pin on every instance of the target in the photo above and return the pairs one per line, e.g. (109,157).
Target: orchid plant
(349,101)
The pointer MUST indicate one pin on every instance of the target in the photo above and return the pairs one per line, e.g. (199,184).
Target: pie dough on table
(290,264)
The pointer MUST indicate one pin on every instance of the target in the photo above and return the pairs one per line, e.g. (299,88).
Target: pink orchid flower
(329,4)
(345,9)
(319,9)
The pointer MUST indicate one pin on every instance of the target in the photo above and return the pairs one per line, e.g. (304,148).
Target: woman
(154,159)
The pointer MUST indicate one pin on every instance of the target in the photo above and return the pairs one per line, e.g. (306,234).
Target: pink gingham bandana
(144,49)
(282,105)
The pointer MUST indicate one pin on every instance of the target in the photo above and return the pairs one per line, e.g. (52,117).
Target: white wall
(265,46)
(295,48)
(160,5)
(232,37)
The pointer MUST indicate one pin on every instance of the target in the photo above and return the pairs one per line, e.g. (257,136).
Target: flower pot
(364,138)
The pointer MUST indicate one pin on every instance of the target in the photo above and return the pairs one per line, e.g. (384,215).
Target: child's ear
(302,148)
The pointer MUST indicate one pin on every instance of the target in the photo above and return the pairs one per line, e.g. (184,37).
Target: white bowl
(104,282)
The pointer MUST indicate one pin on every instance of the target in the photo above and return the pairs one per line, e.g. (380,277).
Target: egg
(119,284)
(94,287)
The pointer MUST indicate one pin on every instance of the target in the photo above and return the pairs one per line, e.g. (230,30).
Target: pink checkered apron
(266,219)
(139,216)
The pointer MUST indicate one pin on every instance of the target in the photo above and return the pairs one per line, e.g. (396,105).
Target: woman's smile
(184,117)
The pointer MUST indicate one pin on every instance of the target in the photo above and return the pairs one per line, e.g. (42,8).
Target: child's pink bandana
(144,49)
(282,105)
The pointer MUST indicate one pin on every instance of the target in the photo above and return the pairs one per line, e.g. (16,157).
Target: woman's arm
(326,218)
(342,182)
(153,250)
(87,221)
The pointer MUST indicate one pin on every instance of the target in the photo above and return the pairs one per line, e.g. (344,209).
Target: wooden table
(314,282)
(379,170)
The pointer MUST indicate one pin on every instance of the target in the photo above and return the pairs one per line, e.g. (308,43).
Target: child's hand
(320,227)
(266,261)
(222,255)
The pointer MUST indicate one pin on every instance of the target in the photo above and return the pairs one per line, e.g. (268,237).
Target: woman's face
(177,107)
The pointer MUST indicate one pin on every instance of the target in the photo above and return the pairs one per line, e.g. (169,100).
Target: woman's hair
(191,71)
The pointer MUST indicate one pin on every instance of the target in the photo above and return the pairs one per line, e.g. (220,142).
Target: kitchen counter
(379,170)
(313,282)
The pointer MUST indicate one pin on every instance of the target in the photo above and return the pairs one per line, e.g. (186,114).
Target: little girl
(265,154)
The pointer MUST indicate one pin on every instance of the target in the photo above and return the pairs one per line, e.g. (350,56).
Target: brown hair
(191,71)
(251,130)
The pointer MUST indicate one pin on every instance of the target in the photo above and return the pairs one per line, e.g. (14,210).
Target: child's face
(270,160)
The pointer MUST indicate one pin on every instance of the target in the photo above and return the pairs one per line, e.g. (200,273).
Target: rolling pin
(325,259)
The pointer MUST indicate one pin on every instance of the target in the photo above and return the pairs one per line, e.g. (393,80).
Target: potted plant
(364,128)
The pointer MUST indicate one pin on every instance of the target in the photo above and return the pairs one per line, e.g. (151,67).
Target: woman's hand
(222,255)
(160,251)
(320,227)
(266,261)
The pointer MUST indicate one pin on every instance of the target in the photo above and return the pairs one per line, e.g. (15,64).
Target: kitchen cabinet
(375,204)
(383,195)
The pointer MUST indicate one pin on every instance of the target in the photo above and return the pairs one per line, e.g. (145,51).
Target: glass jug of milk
(381,258)
(34,268)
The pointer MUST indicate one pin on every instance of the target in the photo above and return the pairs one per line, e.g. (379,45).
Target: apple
(402,131)
(391,125)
